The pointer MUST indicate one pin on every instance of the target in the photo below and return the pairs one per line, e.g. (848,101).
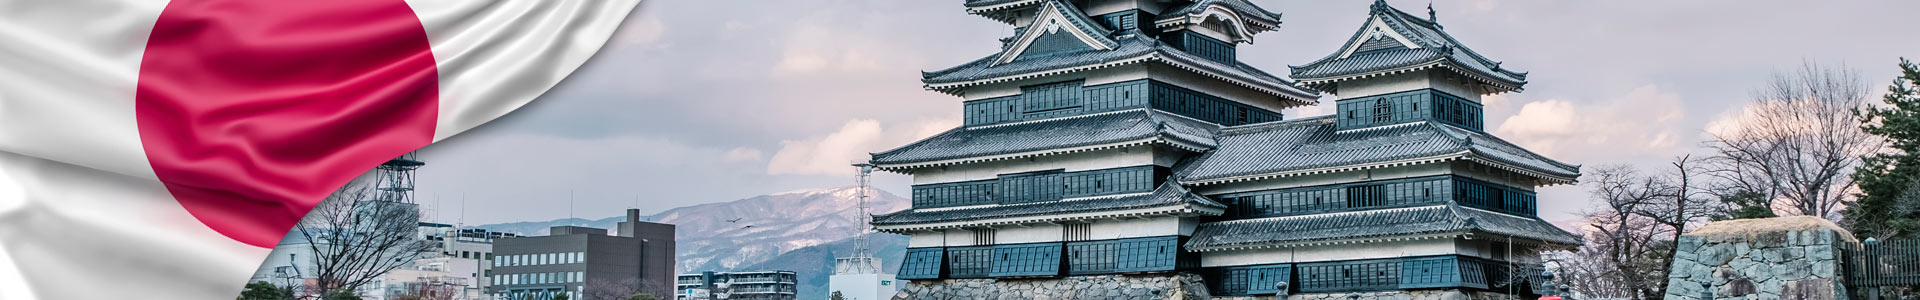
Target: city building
(430,278)
(451,241)
(1126,137)
(751,285)
(580,261)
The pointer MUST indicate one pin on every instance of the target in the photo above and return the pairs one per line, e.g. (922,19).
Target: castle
(1124,139)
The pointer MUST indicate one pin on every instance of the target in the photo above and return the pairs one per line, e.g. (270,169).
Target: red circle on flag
(253,111)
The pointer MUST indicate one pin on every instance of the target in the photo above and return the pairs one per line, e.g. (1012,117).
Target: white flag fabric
(154,149)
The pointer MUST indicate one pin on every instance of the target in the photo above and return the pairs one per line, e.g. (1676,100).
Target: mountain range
(799,231)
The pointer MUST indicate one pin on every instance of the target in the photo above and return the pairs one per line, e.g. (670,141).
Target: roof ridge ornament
(1432,16)
(1380,6)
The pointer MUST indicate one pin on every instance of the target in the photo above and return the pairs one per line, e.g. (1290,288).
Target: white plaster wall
(958,237)
(1325,179)
(1133,228)
(1497,250)
(1430,78)
(927,239)
(1035,233)
(1329,253)
(1091,160)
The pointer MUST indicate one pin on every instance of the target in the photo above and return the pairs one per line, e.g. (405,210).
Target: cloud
(640,30)
(742,154)
(831,154)
(812,48)
(1645,121)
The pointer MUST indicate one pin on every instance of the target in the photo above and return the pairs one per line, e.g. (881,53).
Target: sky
(696,101)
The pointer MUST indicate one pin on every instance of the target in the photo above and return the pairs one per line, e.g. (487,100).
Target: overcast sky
(700,101)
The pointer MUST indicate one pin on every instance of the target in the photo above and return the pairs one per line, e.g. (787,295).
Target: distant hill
(767,226)
(890,248)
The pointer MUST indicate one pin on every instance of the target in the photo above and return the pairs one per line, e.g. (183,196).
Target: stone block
(1821,252)
(1811,289)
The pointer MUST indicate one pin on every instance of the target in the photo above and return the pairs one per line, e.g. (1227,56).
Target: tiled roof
(979,142)
(1133,48)
(1168,195)
(977,3)
(1393,222)
(1267,19)
(1436,49)
(1313,145)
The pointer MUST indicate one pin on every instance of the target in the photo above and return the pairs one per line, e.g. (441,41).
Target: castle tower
(1125,138)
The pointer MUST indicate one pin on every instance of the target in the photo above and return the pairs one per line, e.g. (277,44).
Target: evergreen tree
(559,296)
(836,296)
(1746,205)
(342,294)
(263,291)
(1887,206)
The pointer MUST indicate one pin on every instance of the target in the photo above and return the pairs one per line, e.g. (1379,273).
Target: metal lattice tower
(395,181)
(861,261)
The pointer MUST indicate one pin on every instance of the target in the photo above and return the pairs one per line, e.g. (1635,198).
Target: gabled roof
(1167,199)
(1314,146)
(1249,17)
(1392,42)
(1133,48)
(1438,221)
(1051,136)
(1054,17)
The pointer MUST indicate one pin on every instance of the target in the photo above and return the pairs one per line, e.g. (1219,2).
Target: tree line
(1810,142)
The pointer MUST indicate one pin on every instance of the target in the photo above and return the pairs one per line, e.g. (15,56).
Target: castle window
(1365,195)
(983,236)
(1078,231)
(1382,110)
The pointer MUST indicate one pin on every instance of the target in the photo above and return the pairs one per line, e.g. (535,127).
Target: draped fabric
(156,149)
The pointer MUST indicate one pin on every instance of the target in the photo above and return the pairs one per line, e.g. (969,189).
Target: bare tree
(1627,244)
(356,240)
(1798,142)
(433,289)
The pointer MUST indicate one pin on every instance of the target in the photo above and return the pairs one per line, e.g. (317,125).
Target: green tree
(342,294)
(836,296)
(559,296)
(1887,207)
(264,291)
(1745,204)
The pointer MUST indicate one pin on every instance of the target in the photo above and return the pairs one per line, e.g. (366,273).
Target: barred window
(1382,110)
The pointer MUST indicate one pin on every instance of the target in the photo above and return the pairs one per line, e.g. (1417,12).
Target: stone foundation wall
(1391,295)
(1154,286)
(1774,258)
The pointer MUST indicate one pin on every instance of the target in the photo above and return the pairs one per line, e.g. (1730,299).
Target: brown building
(584,262)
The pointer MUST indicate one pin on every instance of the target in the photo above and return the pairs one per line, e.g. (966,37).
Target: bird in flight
(734,220)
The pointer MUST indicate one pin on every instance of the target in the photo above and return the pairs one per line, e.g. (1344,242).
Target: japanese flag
(154,149)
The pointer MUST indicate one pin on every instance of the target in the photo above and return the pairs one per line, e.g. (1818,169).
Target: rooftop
(1313,145)
(1050,136)
(1393,41)
(1435,221)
